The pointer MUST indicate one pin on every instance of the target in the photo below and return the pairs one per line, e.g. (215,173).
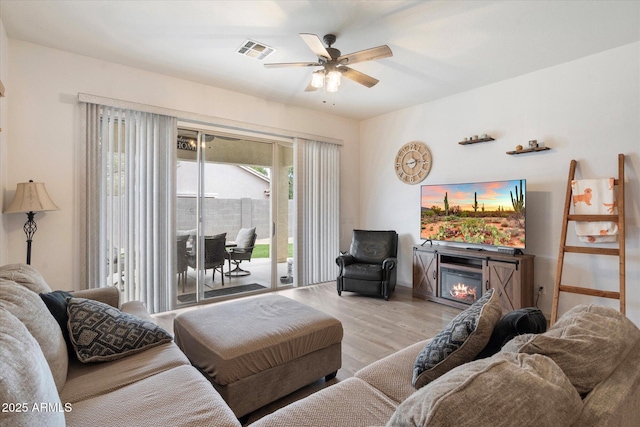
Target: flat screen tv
(480,214)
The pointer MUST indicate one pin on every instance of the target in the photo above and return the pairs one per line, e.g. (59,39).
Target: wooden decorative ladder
(620,252)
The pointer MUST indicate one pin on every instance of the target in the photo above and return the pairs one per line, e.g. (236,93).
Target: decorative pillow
(26,379)
(505,390)
(517,322)
(56,302)
(463,338)
(25,275)
(31,311)
(587,342)
(100,333)
(243,239)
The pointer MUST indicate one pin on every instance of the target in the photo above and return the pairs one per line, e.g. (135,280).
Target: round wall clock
(413,162)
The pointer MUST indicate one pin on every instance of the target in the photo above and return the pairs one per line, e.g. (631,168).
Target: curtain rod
(204,119)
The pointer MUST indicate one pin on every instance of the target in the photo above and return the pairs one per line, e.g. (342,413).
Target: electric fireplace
(460,285)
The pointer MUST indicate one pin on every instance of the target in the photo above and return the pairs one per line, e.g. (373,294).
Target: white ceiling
(439,47)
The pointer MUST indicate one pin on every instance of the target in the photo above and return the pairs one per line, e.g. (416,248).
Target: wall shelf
(528,150)
(475,141)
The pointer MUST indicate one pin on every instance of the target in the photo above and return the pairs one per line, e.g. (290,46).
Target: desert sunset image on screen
(484,213)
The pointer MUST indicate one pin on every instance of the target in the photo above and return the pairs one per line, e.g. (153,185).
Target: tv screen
(482,213)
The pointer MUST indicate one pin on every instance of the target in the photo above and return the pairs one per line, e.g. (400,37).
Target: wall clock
(413,162)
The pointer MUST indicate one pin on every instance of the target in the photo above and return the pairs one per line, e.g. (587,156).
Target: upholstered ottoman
(257,350)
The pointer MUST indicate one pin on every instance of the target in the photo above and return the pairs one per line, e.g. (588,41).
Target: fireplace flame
(463,292)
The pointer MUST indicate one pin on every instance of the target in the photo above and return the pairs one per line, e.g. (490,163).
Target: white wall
(45,144)
(588,110)
(4,77)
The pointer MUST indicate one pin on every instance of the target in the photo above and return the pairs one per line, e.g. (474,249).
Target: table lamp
(31,197)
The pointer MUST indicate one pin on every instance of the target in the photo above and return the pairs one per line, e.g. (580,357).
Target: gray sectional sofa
(40,385)
(584,371)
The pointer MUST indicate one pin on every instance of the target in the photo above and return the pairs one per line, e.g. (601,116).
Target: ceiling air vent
(255,50)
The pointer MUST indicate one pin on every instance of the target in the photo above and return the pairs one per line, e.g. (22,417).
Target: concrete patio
(260,269)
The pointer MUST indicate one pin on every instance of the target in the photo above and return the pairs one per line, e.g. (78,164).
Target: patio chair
(242,251)
(182,259)
(214,255)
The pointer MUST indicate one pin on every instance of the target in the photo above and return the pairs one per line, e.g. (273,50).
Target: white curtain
(317,192)
(130,204)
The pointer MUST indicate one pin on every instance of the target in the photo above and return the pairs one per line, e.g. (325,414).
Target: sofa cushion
(33,313)
(137,309)
(392,374)
(351,402)
(505,390)
(87,380)
(56,302)
(460,341)
(614,401)
(100,333)
(587,342)
(529,320)
(177,397)
(109,295)
(25,378)
(26,276)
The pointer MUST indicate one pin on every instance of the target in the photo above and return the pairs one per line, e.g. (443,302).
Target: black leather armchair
(370,265)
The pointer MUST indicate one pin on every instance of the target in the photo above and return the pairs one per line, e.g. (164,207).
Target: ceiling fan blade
(310,88)
(358,77)
(293,64)
(315,44)
(366,55)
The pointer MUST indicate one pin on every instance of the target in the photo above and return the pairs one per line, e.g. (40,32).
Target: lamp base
(30,229)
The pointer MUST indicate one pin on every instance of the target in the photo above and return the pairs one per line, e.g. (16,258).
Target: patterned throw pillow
(100,333)
(463,338)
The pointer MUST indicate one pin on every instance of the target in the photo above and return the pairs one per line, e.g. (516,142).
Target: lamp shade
(31,197)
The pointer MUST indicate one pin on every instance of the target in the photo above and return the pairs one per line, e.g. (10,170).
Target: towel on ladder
(595,197)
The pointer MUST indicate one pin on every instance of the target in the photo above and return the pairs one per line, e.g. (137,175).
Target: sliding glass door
(233,221)
(284,209)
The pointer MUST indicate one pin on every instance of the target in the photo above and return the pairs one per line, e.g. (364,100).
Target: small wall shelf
(475,141)
(528,150)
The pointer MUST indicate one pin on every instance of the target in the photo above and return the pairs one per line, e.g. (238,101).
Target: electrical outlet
(542,290)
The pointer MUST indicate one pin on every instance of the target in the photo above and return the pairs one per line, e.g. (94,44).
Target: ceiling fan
(334,65)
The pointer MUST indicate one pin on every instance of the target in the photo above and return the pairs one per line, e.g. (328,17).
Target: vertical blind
(317,191)
(130,204)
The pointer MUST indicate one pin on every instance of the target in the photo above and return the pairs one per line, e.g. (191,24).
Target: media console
(457,276)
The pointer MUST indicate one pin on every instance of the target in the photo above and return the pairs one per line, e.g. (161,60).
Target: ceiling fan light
(333,81)
(317,79)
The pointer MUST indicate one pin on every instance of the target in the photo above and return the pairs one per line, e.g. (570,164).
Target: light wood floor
(373,328)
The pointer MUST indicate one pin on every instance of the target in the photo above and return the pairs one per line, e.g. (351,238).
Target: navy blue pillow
(56,302)
(528,320)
